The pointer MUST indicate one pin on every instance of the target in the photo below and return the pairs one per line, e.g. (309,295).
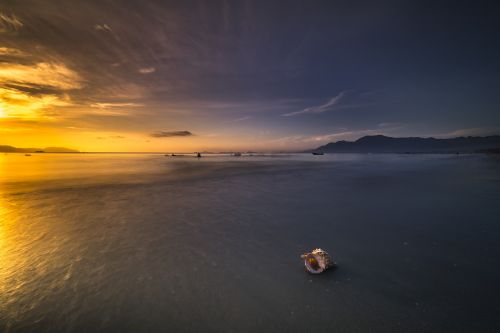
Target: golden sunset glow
(40,74)
(31,92)
(21,105)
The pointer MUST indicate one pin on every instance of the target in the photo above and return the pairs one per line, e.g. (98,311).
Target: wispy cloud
(475,131)
(237,120)
(31,91)
(346,99)
(390,124)
(308,140)
(115,105)
(7,51)
(42,74)
(102,27)
(9,23)
(344,135)
(147,70)
(18,104)
(114,109)
(339,134)
(332,102)
(106,28)
(168,134)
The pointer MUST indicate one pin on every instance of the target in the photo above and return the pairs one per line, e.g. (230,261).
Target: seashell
(318,261)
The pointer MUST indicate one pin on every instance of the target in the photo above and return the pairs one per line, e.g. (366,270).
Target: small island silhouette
(12,149)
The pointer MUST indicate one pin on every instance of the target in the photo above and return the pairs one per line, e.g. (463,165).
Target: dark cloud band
(168,134)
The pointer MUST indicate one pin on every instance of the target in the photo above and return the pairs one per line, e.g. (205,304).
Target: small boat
(27,154)
(318,153)
(237,154)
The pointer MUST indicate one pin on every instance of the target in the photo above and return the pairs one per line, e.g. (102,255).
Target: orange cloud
(42,74)
(18,104)
(28,91)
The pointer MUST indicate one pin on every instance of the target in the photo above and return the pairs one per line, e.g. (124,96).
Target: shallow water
(153,243)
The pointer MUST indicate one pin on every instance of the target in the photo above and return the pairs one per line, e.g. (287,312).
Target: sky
(212,75)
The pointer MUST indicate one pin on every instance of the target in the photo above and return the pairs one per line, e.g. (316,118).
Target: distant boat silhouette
(318,153)
(237,154)
(27,154)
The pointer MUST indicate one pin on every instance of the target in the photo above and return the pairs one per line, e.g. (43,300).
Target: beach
(145,242)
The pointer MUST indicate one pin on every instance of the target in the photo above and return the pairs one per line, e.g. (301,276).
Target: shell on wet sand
(317,261)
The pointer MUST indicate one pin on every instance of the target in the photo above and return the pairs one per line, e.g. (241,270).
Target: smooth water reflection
(152,243)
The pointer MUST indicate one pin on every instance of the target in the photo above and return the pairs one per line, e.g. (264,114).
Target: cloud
(115,109)
(32,91)
(474,131)
(339,134)
(383,125)
(344,135)
(9,23)
(147,70)
(237,120)
(347,99)
(42,74)
(18,104)
(332,102)
(102,27)
(114,105)
(106,28)
(168,134)
(7,51)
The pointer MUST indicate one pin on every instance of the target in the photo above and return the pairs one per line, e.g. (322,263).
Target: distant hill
(385,144)
(11,149)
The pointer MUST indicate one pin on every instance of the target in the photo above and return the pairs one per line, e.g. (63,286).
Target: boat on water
(197,155)
(27,154)
(237,154)
(318,153)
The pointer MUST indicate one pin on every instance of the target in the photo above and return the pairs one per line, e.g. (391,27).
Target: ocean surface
(148,243)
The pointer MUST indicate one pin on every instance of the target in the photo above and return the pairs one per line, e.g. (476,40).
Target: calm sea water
(138,243)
